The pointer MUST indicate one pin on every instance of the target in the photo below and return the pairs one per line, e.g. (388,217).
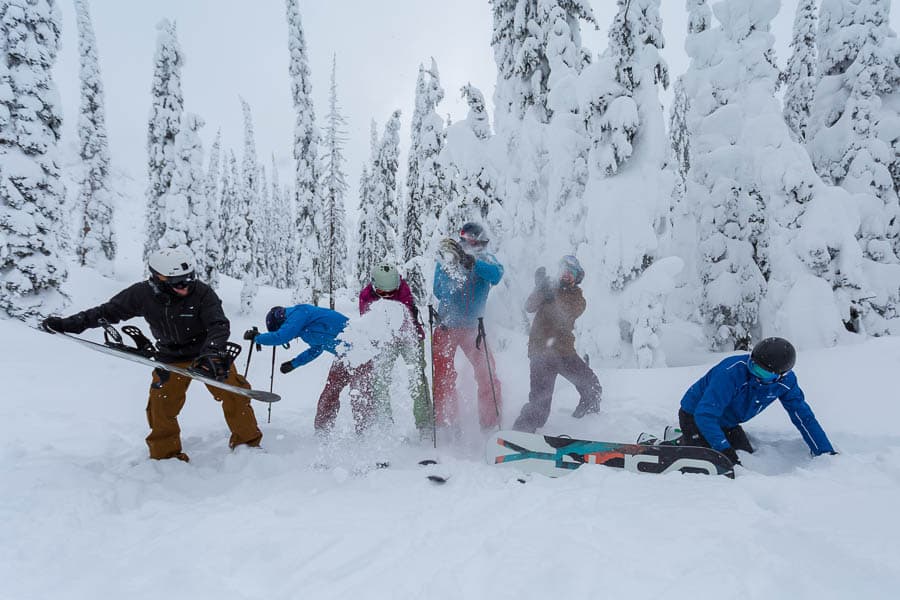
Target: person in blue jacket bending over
(319,328)
(739,388)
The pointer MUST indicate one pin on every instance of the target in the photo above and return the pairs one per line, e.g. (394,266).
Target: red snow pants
(446,401)
(361,398)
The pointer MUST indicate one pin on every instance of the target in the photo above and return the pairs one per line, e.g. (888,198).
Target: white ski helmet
(172,262)
(385,277)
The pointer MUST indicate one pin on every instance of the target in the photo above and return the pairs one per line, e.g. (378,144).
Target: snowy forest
(762,201)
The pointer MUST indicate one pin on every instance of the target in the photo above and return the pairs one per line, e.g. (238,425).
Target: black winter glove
(53,325)
(451,251)
(286,367)
(732,455)
(251,334)
(540,278)
(215,366)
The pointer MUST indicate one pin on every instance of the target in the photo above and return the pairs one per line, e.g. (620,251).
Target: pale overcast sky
(239,47)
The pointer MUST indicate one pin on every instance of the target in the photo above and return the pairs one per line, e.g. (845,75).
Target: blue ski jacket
(318,327)
(461,301)
(729,395)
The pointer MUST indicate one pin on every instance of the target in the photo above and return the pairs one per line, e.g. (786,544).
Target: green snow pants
(414,356)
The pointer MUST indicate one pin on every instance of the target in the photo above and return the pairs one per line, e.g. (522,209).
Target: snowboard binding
(142,345)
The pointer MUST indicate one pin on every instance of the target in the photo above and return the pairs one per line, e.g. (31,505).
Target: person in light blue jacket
(462,280)
(739,388)
(320,328)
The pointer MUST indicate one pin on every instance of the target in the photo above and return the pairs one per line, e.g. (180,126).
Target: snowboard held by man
(191,330)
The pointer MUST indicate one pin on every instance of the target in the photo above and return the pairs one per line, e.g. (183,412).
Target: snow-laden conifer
(801,75)
(166,111)
(213,230)
(335,185)
(31,191)
(424,177)
(185,202)
(96,245)
(306,139)
(254,265)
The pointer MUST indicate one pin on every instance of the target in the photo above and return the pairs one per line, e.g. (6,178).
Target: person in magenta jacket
(387,284)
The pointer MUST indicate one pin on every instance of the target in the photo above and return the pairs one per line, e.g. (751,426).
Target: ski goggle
(469,239)
(762,374)
(176,281)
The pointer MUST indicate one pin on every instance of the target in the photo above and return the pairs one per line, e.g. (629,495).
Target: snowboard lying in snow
(120,350)
(557,456)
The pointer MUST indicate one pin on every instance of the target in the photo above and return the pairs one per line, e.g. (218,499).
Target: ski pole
(479,339)
(250,354)
(271,383)
(431,342)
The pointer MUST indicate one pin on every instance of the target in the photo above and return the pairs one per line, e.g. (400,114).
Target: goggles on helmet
(762,374)
(176,281)
(470,239)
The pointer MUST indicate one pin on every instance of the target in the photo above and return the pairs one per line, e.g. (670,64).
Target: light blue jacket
(729,394)
(318,327)
(462,301)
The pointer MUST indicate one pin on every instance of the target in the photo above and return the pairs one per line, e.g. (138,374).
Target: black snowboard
(556,456)
(145,358)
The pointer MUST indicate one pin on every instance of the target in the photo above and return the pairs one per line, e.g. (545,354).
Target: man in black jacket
(186,318)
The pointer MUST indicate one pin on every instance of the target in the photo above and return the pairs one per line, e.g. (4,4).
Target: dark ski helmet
(275,318)
(775,355)
(474,235)
(570,270)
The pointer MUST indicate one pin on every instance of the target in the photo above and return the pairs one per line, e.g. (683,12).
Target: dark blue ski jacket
(318,327)
(729,395)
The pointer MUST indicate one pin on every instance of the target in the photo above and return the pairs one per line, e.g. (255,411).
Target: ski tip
(428,461)
(438,478)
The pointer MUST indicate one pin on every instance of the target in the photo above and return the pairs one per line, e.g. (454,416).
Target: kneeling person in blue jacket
(320,328)
(739,388)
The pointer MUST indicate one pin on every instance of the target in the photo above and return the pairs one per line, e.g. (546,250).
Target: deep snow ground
(84,514)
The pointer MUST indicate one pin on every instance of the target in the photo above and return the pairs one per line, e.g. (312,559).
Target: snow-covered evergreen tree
(213,230)
(801,75)
(306,139)
(383,186)
(521,29)
(766,238)
(854,129)
(368,226)
(424,176)
(185,203)
(31,191)
(236,210)
(281,222)
(96,245)
(335,234)
(472,179)
(635,39)
(253,264)
(167,108)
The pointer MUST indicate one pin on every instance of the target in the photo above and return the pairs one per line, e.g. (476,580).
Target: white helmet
(385,277)
(172,262)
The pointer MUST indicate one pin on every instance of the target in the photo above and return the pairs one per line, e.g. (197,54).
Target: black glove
(251,334)
(286,367)
(215,366)
(467,261)
(540,278)
(731,453)
(53,325)
(452,251)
